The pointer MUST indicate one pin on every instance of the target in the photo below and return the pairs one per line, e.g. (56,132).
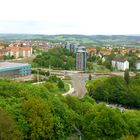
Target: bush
(60,84)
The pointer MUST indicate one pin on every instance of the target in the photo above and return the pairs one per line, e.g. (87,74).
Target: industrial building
(81,58)
(14,70)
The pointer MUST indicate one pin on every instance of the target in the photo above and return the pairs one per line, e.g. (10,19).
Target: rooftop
(138,61)
(80,51)
(119,60)
(4,65)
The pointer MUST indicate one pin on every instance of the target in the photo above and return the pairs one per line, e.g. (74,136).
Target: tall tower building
(81,58)
(72,46)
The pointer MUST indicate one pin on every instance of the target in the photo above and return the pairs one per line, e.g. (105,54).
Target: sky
(89,17)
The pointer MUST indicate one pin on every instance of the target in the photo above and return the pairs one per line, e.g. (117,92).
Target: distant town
(69,87)
(93,58)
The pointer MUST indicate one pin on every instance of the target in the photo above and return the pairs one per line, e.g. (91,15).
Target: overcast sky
(70,16)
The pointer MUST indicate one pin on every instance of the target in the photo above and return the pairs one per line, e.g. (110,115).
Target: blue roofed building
(14,70)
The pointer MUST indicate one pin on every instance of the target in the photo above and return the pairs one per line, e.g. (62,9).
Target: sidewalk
(71,90)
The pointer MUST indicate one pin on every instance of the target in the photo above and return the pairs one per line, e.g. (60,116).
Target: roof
(1,47)
(12,48)
(16,49)
(89,50)
(80,51)
(26,48)
(138,61)
(7,65)
(119,60)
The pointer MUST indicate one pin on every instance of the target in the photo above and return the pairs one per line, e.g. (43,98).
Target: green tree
(132,119)
(55,58)
(89,77)
(47,73)
(127,76)
(98,49)
(103,123)
(8,128)
(40,120)
(60,84)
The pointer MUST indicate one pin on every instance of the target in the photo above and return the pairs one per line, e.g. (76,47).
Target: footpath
(71,90)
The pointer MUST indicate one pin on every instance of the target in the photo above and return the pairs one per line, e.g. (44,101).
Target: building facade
(81,58)
(16,52)
(14,70)
(137,64)
(72,46)
(120,64)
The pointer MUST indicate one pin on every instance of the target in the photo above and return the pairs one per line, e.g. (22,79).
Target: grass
(66,87)
(99,68)
(67,81)
(130,137)
(57,90)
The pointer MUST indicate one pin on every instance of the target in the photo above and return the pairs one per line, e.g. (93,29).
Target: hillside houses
(15,52)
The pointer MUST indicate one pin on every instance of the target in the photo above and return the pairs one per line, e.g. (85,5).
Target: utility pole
(38,75)
(80,137)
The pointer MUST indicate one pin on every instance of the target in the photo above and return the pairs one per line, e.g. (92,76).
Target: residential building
(16,51)
(2,53)
(14,70)
(120,64)
(81,58)
(12,51)
(25,51)
(106,52)
(91,50)
(137,64)
(138,55)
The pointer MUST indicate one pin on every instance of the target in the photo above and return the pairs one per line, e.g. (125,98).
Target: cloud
(70,16)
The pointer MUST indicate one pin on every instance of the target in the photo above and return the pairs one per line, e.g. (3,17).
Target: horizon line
(70,34)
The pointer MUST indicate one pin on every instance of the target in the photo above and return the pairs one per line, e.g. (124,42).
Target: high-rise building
(81,58)
(72,46)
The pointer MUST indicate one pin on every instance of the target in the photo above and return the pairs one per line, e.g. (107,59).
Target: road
(79,82)
(79,79)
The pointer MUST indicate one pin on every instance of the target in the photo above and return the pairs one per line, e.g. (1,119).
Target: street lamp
(38,75)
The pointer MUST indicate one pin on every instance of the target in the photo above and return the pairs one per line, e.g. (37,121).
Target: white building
(137,64)
(120,64)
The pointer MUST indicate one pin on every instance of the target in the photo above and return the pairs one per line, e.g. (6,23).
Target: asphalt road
(79,79)
(79,82)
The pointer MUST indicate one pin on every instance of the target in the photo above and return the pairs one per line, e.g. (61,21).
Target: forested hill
(34,112)
(83,39)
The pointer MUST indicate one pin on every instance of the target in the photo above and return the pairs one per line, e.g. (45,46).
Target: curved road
(79,82)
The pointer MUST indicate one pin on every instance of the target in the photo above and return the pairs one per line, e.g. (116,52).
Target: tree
(90,77)
(102,123)
(98,49)
(56,58)
(8,128)
(40,120)
(127,76)
(60,84)
(133,120)
(47,73)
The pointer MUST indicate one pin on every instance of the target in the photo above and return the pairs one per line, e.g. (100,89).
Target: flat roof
(5,65)
(81,51)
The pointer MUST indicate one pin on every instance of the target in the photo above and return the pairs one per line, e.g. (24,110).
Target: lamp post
(38,75)
(65,69)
